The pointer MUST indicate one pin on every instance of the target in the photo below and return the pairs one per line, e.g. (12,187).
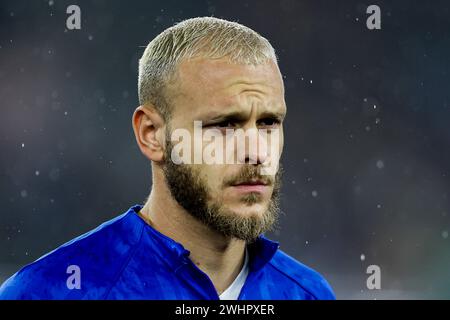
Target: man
(200,234)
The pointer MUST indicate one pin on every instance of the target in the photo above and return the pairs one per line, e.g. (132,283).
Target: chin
(244,210)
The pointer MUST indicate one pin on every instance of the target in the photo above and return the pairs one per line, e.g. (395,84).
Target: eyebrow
(238,116)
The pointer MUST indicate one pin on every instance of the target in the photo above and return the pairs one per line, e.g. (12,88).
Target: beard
(190,191)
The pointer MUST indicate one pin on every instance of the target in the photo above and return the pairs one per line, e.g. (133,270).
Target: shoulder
(303,276)
(83,268)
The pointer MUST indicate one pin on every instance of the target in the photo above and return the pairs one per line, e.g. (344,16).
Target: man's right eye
(222,124)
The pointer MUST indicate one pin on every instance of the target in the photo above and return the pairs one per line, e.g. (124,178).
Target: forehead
(207,84)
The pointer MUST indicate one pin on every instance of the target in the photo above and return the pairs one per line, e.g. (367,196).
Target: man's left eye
(269,122)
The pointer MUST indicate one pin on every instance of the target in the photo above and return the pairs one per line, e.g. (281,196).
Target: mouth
(254,185)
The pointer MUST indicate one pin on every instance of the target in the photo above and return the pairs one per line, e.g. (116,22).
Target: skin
(206,90)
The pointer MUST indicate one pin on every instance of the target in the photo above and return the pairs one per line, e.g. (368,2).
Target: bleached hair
(206,37)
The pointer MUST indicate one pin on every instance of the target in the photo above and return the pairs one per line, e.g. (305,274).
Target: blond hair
(198,37)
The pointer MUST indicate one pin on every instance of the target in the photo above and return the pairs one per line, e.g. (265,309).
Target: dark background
(363,185)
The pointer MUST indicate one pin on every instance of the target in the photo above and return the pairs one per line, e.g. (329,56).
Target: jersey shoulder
(308,279)
(83,268)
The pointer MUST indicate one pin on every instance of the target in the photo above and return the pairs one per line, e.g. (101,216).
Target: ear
(149,128)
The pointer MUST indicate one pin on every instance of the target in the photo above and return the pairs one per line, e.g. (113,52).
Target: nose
(256,147)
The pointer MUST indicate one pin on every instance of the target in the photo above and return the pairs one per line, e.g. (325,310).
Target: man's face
(225,96)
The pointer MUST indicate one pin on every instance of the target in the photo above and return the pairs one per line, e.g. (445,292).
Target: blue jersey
(125,258)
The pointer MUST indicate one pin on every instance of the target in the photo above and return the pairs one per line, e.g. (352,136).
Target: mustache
(247,174)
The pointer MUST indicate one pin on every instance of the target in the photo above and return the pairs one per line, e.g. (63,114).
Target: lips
(251,183)
(251,186)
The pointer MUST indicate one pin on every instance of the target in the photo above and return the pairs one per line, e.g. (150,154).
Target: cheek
(213,176)
(281,141)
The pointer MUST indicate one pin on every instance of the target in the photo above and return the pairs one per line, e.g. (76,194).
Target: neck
(220,257)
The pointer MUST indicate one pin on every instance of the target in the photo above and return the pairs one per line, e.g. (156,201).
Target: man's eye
(269,122)
(223,124)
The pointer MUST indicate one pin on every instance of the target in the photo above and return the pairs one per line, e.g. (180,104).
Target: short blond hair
(197,37)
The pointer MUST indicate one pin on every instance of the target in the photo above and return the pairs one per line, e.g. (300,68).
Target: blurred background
(367,152)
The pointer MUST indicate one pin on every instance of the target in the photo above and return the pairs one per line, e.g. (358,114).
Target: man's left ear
(149,126)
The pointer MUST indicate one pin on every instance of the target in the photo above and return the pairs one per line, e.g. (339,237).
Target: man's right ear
(149,128)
